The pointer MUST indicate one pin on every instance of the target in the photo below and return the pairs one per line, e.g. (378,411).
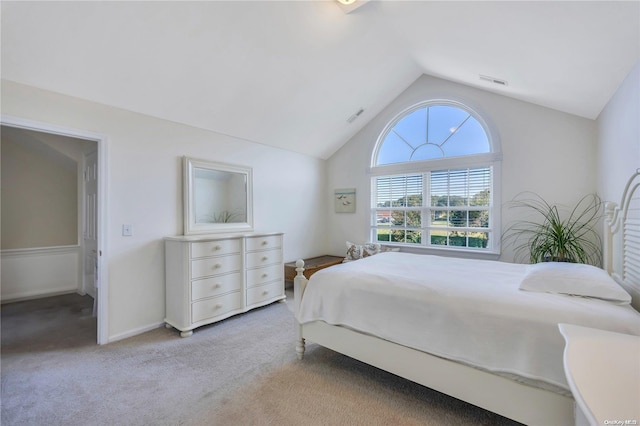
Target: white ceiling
(290,74)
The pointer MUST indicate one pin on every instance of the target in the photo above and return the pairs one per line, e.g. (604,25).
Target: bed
(473,333)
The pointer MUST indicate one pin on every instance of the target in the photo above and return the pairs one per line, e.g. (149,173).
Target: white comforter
(466,310)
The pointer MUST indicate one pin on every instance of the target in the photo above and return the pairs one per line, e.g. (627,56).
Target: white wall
(39,272)
(145,190)
(546,151)
(39,194)
(619,138)
(41,186)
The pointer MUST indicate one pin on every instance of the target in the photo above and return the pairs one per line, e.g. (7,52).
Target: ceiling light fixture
(349,6)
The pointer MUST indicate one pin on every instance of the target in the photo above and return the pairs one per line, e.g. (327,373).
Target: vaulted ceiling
(290,74)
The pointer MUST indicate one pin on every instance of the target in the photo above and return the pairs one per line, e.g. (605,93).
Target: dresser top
(215,237)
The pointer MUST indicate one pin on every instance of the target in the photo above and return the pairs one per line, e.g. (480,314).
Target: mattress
(469,311)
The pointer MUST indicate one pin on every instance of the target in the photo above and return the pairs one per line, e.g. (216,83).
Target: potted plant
(546,232)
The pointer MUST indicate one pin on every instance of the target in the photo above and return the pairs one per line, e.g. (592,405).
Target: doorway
(91,209)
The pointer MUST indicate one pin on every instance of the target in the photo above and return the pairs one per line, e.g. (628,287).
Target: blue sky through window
(432,132)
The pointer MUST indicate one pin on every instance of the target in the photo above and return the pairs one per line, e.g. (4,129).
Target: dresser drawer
(264,258)
(264,292)
(264,275)
(215,248)
(215,286)
(264,243)
(221,305)
(215,266)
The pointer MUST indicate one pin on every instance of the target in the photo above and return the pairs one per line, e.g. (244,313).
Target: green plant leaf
(546,232)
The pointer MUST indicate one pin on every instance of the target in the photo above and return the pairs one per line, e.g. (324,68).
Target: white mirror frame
(191,225)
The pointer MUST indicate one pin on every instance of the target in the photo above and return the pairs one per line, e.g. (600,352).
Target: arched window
(431,132)
(434,181)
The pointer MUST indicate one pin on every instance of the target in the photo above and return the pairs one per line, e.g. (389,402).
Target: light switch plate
(127,230)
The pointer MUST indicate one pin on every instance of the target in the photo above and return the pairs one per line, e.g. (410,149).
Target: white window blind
(458,213)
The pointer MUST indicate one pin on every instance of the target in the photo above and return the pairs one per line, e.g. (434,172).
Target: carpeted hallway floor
(44,324)
(240,371)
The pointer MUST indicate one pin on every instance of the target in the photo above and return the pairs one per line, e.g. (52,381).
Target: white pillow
(574,279)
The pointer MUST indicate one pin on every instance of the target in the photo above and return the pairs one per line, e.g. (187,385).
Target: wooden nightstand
(311,266)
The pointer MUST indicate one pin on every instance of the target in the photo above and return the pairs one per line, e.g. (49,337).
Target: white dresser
(212,277)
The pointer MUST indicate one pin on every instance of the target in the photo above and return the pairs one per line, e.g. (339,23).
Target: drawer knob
(217,248)
(217,266)
(264,258)
(265,275)
(264,293)
(216,286)
(218,306)
(265,242)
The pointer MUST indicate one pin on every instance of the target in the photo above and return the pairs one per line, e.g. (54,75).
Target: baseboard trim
(135,332)
(39,295)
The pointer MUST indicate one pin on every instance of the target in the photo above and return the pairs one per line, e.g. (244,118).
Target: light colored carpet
(241,371)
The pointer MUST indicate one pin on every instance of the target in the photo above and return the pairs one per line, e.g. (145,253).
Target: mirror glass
(217,197)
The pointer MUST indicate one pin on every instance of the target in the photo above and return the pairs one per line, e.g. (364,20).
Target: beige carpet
(330,389)
(242,371)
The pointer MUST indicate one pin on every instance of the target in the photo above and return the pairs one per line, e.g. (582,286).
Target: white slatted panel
(631,259)
(622,239)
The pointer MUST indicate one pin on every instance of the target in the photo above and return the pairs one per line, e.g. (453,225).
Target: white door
(90,225)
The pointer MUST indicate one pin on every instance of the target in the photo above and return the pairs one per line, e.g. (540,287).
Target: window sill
(448,252)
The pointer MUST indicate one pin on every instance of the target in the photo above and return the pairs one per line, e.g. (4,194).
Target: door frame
(103,261)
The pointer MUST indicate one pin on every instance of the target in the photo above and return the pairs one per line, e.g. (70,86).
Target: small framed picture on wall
(345,200)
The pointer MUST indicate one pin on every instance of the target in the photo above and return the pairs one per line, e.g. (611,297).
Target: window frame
(492,159)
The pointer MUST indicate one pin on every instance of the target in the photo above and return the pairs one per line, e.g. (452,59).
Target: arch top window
(432,131)
(435,181)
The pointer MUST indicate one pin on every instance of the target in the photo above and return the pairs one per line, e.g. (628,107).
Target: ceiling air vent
(493,80)
(354,116)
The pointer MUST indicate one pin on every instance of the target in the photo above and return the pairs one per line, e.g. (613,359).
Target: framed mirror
(217,197)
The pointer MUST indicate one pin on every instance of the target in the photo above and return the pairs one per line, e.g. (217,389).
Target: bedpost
(299,285)
(609,224)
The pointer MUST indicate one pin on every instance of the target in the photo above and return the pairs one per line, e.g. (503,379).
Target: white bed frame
(517,401)
(621,254)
